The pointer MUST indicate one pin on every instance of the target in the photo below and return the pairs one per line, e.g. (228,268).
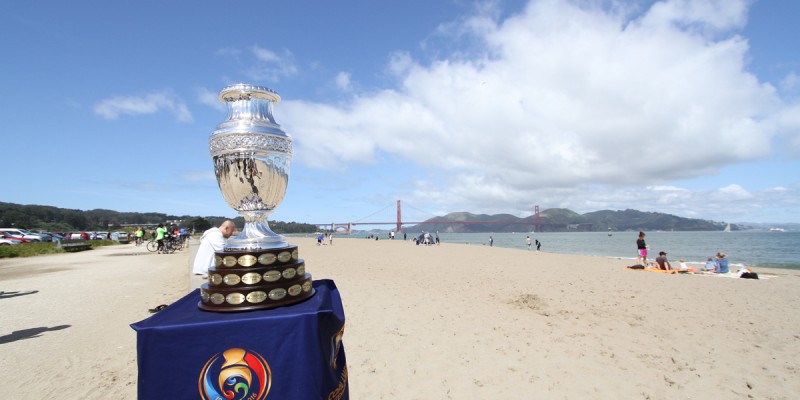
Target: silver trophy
(251,156)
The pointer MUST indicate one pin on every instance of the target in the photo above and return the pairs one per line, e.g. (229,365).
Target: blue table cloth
(292,352)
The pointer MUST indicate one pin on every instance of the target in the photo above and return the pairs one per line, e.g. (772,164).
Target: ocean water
(751,248)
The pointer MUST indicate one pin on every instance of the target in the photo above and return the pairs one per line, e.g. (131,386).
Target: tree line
(54,219)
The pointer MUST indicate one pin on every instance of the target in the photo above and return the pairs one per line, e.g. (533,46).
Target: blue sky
(685,107)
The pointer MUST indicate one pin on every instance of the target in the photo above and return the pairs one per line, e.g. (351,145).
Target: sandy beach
(439,322)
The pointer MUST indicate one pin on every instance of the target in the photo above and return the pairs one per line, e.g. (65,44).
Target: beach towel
(642,268)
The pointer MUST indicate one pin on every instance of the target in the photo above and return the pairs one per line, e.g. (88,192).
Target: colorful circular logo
(235,374)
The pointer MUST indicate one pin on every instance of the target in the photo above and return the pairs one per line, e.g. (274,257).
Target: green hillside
(565,220)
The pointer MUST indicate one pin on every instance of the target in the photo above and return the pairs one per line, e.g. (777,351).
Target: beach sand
(438,322)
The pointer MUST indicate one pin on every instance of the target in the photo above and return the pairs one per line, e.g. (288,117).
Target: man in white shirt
(213,240)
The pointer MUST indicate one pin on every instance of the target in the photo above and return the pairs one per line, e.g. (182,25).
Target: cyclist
(139,236)
(160,232)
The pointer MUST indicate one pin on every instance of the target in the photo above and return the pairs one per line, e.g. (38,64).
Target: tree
(200,224)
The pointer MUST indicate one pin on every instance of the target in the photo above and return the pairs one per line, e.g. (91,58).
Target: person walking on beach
(213,240)
(641,258)
(491,241)
(538,245)
(330,239)
(528,242)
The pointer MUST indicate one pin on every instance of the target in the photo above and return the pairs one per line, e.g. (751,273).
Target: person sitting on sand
(661,261)
(710,266)
(722,264)
(683,266)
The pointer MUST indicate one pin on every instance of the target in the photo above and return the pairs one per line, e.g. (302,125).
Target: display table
(292,352)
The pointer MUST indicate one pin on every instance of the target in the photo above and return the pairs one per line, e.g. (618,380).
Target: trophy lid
(244,90)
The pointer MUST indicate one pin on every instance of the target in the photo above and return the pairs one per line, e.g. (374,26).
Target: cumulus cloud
(151,103)
(562,99)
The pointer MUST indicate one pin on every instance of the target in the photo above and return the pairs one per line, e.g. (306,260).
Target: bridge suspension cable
(418,209)
(376,212)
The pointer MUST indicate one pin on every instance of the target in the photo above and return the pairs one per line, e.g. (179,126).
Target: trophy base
(255,280)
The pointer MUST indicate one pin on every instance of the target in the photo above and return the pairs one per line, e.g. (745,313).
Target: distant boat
(777,230)
(727,228)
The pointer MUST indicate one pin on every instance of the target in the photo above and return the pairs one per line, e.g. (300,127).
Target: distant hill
(54,219)
(564,220)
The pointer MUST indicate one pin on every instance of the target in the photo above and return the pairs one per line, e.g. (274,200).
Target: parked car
(20,233)
(56,237)
(101,235)
(6,236)
(79,235)
(46,237)
(42,237)
(121,237)
(7,242)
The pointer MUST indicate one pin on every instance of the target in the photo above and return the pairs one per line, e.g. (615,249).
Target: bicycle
(152,246)
(171,245)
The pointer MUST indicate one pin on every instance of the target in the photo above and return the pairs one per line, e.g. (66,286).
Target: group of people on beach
(719,265)
(537,242)
(321,238)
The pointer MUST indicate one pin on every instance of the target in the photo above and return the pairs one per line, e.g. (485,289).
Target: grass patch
(38,249)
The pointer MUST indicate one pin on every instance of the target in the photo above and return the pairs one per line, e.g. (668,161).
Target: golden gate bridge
(347,227)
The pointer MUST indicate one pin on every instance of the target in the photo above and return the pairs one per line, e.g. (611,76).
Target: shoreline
(733,265)
(449,321)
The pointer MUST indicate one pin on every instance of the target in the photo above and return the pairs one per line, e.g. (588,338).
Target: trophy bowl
(252,155)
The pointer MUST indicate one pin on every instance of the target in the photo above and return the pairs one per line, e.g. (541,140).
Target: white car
(121,237)
(6,242)
(21,233)
(100,235)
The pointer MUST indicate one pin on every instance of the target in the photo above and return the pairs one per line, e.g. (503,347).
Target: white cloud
(210,98)
(271,66)
(735,192)
(342,81)
(194,176)
(790,82)
(151,103)
(563,99)
(703,16)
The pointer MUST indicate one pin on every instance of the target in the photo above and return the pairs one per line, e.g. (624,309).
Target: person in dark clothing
(641,258)
(661,261)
